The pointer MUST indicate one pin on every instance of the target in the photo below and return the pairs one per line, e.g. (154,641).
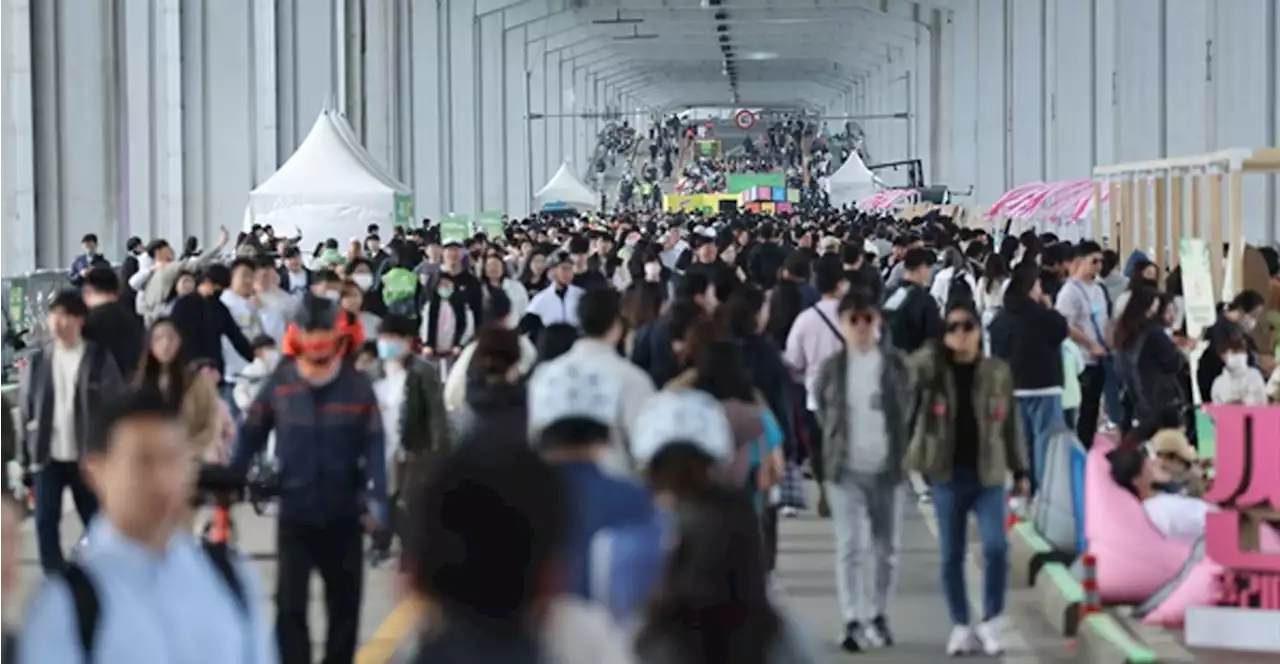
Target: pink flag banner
(1014,197)
(1062,201)
(884,199)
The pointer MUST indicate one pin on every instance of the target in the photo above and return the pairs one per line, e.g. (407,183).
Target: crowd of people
(576,440)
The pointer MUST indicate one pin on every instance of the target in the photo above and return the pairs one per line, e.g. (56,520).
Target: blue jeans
(1112,405)
(1040,416)
(228,393)
(952,502)
(50,483)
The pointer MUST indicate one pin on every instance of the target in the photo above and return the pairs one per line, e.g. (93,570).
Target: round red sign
(744,119)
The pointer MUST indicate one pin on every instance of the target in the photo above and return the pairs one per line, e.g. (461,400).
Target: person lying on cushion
(1176,516)
(1178,459)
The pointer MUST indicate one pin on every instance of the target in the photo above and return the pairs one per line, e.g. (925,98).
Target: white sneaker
(989,635)
(789,512)
(961,641)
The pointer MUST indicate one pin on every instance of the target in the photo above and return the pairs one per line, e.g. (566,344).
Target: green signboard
(737,183)
(404,210)
(455,228)
(490,223)
(16,301)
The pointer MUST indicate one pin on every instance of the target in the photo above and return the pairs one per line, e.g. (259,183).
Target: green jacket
(1001,449)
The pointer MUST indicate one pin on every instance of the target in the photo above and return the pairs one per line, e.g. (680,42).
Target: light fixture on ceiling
(635,35)
(618,20)
(760,55)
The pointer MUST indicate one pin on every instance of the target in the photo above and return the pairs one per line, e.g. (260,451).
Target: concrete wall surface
(156,118)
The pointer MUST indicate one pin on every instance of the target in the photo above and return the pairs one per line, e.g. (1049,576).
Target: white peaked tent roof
(327,167)
(348,134)
(851,182)
(565,187)
(853,172)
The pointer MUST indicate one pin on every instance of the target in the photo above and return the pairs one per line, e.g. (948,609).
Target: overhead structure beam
(487,7)
(780,14)
(852,31)
(530,12)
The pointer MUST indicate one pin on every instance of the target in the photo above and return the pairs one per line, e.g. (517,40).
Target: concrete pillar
(538,128)
(554,108)
(1026,103)
(493,105)
(380,126)
(76,138)
(429,109)
(514,82)
(17,188)
(461,177)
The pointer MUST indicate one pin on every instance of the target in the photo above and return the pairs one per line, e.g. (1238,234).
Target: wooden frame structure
(1152,203)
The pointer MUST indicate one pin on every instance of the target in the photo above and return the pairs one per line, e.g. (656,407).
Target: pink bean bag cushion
(1199,586)
(1134,559)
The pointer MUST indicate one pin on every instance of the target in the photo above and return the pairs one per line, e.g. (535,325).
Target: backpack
(88,607)
(399,292)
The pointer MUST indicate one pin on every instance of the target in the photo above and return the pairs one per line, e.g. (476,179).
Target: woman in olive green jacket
(966,442)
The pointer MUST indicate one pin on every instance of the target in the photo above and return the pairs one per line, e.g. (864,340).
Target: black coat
(1029,336)
(116,328)
(202,322)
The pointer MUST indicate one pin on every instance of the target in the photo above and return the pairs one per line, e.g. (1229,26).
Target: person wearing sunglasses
(966,442)
(863,401)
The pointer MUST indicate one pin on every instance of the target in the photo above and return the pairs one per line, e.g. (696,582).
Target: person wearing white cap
(600,312)
(682,435)
(684,444)
(572,407)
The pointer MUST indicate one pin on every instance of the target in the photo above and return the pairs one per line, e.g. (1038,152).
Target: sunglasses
(961,326)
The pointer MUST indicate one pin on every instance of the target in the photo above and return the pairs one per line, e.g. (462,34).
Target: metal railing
(25,301)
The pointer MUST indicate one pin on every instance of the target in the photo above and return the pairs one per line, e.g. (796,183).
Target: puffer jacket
(1001,448)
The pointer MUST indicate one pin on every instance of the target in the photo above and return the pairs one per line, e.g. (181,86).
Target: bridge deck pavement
(255,536)
(805,581)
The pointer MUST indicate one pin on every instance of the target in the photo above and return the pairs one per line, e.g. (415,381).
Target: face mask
(390,349)
(363,279)
(652,271)
(332,295)
(1237,361)
(319,371)
(444,293)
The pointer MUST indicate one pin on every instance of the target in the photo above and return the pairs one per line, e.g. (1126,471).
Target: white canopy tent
(349,135)
(852,182)
(329,188)
(565,187)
